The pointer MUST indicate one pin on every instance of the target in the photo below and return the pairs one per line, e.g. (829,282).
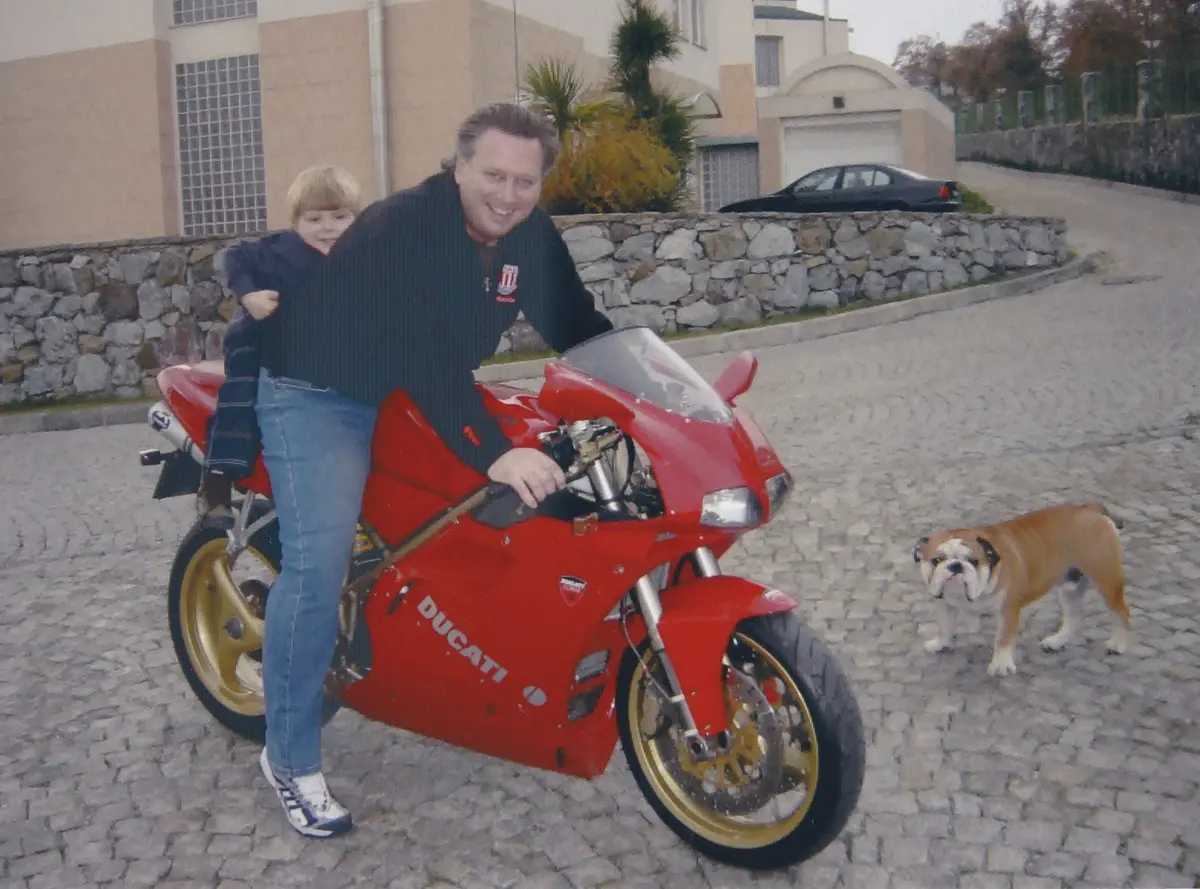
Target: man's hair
(514,120)
(323,188)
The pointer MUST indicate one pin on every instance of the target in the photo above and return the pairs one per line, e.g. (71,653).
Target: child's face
(321,228)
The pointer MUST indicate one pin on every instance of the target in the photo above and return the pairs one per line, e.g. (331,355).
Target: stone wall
(1161,153)
(102,319)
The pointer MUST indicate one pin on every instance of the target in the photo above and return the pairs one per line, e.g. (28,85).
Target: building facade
(138,118)
(141,118)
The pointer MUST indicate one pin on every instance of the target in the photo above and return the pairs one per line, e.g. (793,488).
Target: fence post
(1025,109)
(1149,80)
(981,116)
(1054,104)
(998,113)
(1091,97)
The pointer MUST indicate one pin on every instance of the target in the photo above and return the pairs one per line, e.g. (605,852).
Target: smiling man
(414,295)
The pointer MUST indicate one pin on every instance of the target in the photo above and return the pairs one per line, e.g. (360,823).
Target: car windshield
(636,361)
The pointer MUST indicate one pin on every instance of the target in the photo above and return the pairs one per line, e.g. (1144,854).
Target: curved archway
(881,75)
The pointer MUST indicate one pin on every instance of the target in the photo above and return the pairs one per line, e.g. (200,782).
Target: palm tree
(556,89)
(644,38)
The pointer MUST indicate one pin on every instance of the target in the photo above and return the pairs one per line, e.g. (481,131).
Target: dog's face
(955,566)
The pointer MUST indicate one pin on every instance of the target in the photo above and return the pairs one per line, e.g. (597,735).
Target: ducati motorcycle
(542,636)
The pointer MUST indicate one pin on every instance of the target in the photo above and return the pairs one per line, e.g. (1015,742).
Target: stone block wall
(102,319)
(1161,153)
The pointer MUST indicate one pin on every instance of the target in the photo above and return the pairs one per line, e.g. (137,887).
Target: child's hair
(323,188)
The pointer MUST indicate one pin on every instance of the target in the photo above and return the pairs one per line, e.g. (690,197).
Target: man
(414,295)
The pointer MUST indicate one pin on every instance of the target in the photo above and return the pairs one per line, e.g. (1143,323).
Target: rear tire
(774,665)
(227,682)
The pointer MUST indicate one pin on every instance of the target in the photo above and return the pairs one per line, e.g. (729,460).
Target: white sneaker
(308,804)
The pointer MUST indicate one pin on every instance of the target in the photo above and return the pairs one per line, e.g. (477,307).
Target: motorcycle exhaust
(165,423)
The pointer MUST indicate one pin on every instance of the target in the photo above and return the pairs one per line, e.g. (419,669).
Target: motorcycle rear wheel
(793,770)
(226,679)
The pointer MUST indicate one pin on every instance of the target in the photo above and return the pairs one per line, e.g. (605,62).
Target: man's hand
(529,472)
(261,303)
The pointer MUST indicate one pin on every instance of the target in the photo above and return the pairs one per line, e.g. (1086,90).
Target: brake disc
(748,771)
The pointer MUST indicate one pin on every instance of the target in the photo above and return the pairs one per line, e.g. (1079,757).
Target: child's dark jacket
(279,262)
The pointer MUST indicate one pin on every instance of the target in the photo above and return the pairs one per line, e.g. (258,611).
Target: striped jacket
(280,262)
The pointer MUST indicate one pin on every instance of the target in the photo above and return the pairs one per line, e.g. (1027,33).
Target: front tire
(793,770)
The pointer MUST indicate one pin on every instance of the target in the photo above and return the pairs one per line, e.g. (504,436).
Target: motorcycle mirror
(737,377)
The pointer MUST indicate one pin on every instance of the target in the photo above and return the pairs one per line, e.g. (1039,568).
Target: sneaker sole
(319,833)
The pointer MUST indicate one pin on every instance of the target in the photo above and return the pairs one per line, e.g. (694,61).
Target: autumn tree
(922,61)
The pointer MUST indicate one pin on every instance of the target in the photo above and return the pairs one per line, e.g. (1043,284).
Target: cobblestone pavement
(1080,770)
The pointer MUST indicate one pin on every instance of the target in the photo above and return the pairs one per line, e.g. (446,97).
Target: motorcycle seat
(193,384)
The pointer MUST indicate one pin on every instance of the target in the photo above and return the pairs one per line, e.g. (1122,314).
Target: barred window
(728,173)
(191,12)
(766,60)
(222,176)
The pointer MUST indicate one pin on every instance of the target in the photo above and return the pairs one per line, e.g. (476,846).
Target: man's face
(500,185)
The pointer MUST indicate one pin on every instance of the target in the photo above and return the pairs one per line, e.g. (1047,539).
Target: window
(858,177)
(821,180)
(865,177)
(728,173)
(688,16)
(766,60)
(222,180)
(191,12)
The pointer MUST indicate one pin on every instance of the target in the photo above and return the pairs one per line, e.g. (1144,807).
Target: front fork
(650,605)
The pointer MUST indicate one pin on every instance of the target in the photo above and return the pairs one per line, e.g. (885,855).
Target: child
(322,202)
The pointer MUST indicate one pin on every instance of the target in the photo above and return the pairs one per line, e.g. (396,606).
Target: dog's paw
(1117,643)
(933,646)
(1002,664)
(1055,642)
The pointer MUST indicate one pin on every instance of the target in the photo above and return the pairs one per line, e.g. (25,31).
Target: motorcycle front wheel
(786,781)
(223,674)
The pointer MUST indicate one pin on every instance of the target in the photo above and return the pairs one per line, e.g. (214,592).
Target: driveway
(1080,770)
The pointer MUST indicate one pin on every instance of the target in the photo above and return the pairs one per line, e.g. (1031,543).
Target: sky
(880,25)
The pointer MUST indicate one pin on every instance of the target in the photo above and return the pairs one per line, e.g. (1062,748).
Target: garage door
(808,147)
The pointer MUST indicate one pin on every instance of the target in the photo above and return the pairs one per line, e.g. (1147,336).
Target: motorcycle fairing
(505,601)
(698,619)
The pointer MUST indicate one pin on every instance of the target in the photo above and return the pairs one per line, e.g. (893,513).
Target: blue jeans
(317,447)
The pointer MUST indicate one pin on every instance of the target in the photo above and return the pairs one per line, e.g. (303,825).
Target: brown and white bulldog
(1021,560)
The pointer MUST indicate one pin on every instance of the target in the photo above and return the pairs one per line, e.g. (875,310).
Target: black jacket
(401,303)
(280,262)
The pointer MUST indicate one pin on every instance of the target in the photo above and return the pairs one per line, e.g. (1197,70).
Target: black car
(857,187)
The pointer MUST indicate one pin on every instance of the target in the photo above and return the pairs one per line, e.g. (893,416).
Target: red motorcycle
(539,636)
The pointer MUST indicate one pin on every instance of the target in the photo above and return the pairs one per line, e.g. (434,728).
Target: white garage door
(808,147)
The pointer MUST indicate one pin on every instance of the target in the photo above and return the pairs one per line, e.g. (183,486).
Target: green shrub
(614,165)
(973,201)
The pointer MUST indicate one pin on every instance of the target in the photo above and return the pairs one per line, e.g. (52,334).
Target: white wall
(595,21)
(801,43)
(30,28)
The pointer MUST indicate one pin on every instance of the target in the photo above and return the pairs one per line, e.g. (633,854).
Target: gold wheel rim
(229,667)
(676,779)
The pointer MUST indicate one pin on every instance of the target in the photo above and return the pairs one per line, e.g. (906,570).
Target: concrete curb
(847,322)
(751,338)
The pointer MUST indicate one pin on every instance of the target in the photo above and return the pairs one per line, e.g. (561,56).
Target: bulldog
(1073,545)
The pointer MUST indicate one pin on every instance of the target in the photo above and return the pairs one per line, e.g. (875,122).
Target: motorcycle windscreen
(636,361)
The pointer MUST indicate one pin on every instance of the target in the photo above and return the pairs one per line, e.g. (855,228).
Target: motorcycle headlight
(778,488)
(731,508)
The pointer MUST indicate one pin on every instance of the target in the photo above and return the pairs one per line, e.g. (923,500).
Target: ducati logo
(507,285)
(571,588)
(457,639)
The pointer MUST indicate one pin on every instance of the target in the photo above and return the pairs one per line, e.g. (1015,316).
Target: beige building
(139,118)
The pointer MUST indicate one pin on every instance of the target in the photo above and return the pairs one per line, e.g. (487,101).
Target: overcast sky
(880,25)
